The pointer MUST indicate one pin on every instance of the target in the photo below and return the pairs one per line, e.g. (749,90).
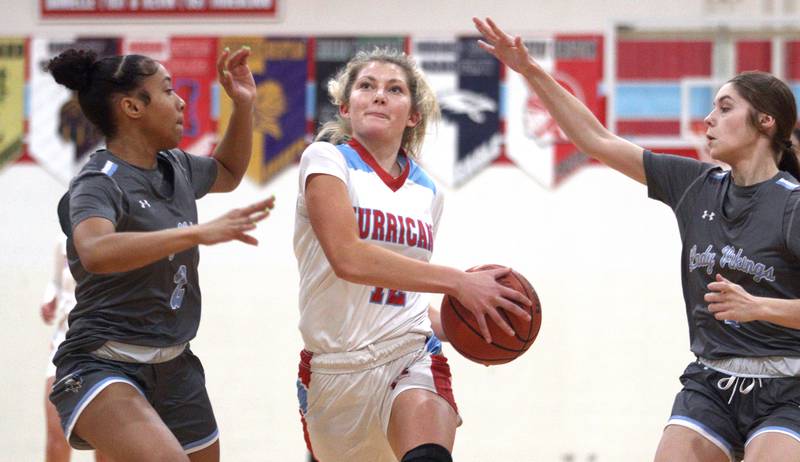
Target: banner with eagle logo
(466,81)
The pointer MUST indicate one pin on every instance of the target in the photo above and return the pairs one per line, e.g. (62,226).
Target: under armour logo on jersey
(144,204)
(709,216)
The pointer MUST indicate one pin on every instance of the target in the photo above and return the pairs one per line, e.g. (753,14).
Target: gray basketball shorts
(731,410)
(176,389)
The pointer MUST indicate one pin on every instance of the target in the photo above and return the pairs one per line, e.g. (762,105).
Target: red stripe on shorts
(305,435)
(441,379)
(304,374)
(304,370)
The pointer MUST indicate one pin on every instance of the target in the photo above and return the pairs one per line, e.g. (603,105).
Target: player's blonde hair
(423,100)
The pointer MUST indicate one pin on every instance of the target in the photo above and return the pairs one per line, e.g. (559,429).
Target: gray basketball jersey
(159,304)
(749,235)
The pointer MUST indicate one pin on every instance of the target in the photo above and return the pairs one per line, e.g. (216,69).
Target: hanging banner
(280,70)
(466,81)
(331,54)
(534,142)
(192,63)
(12,99)
(59,135)
(167,9)
(530,131)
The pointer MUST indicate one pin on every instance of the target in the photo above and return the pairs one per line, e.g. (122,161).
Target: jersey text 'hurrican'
(384,226)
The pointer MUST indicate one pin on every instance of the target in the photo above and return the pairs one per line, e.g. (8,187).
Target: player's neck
(385,154)
(133,150)
(753,170)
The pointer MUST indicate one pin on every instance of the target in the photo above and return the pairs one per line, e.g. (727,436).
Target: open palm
(235,76)
(509,50)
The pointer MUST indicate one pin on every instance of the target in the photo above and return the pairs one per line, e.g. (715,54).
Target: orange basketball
(463,332)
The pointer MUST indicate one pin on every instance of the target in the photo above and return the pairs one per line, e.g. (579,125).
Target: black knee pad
(428,453)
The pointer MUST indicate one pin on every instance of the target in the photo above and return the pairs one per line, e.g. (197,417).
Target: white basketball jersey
(400,214)
(62,287)
(66,289)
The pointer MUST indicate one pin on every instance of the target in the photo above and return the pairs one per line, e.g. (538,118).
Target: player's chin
(716,153)
(721,152)
(170,143)
(381,131)
(175,139)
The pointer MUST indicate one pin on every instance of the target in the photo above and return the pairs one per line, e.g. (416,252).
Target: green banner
(12,98)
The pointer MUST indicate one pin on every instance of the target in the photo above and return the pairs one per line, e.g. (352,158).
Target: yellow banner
(12,98)
(256,64)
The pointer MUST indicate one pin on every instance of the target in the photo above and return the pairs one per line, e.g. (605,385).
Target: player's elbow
(226,182)
(95,265)
(347,264)
(92,267)
(601,145)
(94,260)
(345,268)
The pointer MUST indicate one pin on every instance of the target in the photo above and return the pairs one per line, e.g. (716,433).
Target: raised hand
(235,76)
(482,294)
(235,224)
(509,50)
(730,302)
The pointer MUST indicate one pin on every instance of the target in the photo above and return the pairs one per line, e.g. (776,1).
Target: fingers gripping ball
(463,332)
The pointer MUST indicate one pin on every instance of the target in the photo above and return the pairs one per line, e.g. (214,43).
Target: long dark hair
(98,81)
(768,94)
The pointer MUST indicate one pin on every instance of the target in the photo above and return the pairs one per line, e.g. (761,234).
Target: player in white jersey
(372,382)
(59,299)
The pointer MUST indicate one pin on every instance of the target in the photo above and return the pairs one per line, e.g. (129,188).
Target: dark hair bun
(72,68)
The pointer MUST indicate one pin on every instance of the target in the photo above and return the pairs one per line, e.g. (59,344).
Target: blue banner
(330,55)
(466,81)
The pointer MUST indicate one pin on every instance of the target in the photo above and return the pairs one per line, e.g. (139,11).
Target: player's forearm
(233,151)
(578,123)
(779,311)
(126,251)
(583,128)
(364,263)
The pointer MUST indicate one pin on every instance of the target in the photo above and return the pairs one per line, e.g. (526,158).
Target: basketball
(463,332)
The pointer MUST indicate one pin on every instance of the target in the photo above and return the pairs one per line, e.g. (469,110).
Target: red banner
(191,62)
(128,9)
(579,59)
